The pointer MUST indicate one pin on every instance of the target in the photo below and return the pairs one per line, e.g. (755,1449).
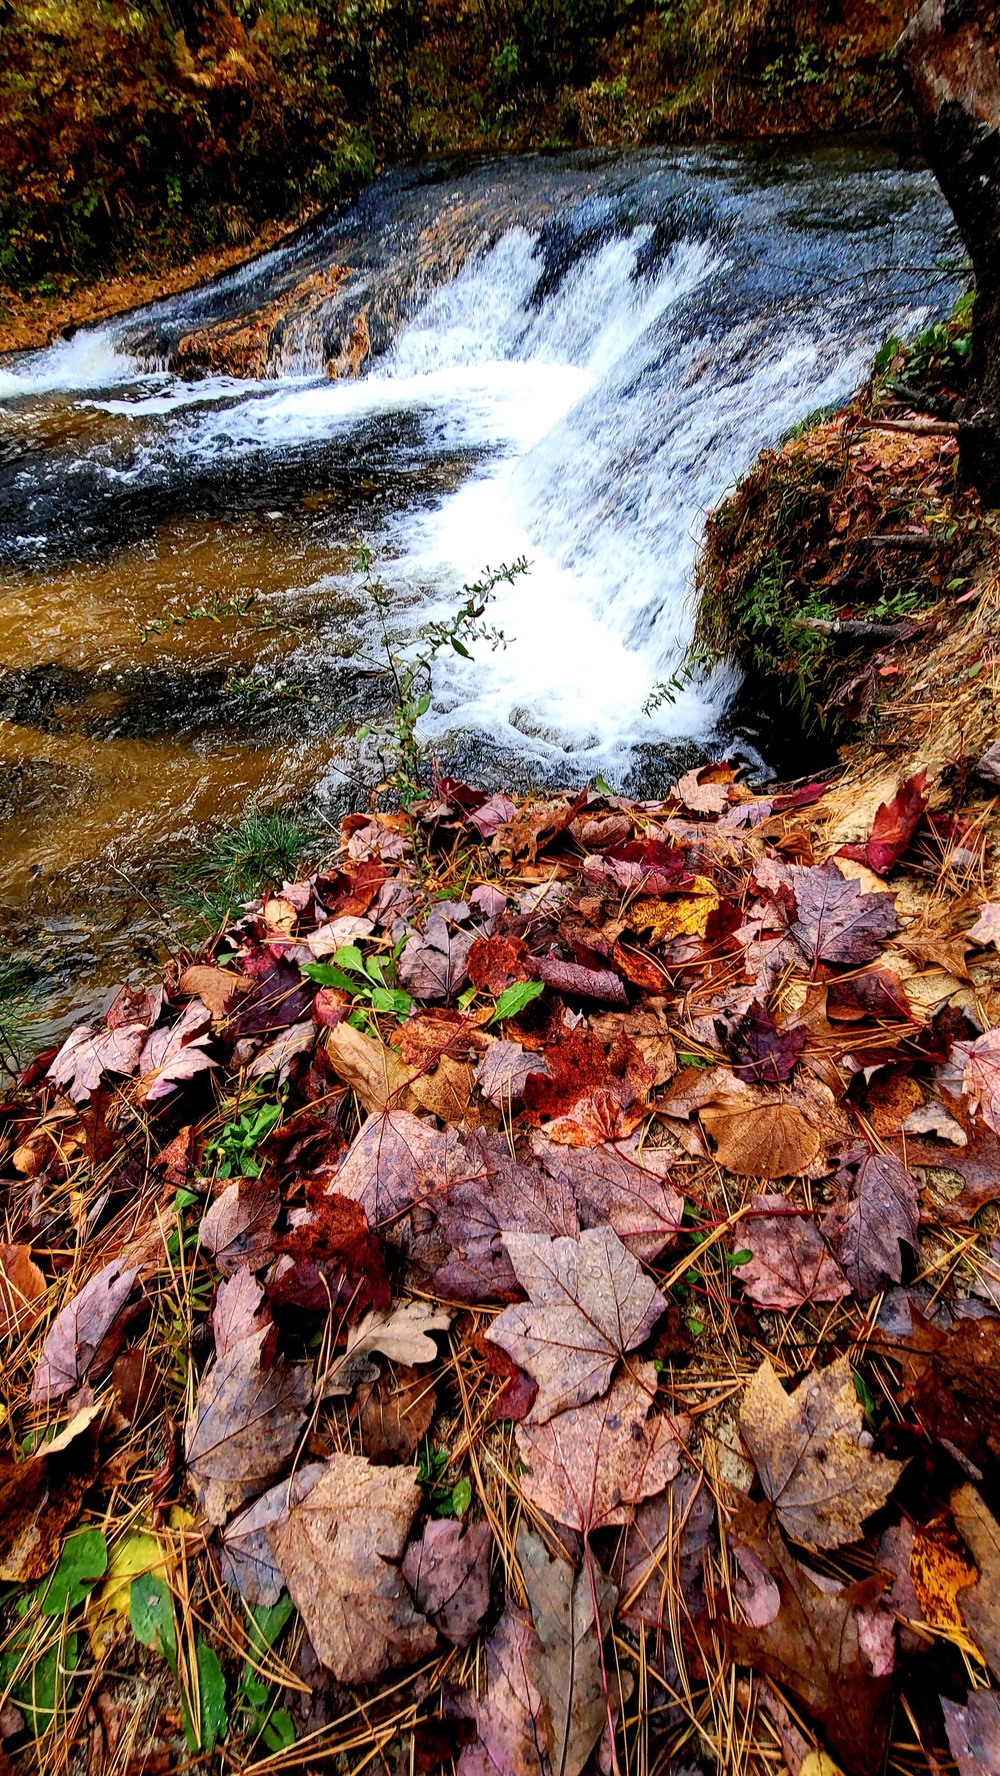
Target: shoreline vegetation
(136,140)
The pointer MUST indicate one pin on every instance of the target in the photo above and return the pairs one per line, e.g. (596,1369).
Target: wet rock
(245,347)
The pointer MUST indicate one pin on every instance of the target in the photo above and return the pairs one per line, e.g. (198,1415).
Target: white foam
(88,360)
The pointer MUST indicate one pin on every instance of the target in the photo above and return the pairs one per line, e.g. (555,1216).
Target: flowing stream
(571,359)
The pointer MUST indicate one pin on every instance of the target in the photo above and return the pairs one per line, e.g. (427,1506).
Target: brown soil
(29,318)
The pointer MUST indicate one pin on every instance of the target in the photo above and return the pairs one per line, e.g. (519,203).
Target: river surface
(571,359)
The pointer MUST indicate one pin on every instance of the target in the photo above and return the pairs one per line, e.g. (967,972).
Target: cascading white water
(589,382)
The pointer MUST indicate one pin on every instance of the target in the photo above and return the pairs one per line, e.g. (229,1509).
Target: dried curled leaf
(806,1448)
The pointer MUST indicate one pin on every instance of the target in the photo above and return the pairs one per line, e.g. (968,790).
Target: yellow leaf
(939,1569)
(139,1553)
(683,915)
(817,1763)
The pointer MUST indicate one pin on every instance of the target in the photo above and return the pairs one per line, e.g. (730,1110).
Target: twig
(945,428)
(856,628)
(900,539)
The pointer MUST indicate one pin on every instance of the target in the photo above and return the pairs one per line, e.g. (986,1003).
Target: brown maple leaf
(592,1465)
(590,1303)
(790,1262)
(806,1448)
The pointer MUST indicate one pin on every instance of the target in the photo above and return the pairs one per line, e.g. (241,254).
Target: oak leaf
(589,1304)
(806,1448)
(790,1262)
(448,1572)
(402,1335)
(245,1424)
(591,1466)
(338,1552)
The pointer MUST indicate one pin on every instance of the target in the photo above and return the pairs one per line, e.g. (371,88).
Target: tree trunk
(948,65)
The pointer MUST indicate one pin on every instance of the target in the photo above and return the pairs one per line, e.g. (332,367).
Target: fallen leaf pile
(541,1260)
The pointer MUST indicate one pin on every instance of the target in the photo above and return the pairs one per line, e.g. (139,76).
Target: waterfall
(571,362)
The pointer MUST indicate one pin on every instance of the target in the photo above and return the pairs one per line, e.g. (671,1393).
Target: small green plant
(151,1616)
(445,1500)
(364,977)
(261,851)
(15,1013)
(410,670)
(667,690)
(255,1701)
(940,354)
(212,612)
(515,998)
(251,687)
(235,1151)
